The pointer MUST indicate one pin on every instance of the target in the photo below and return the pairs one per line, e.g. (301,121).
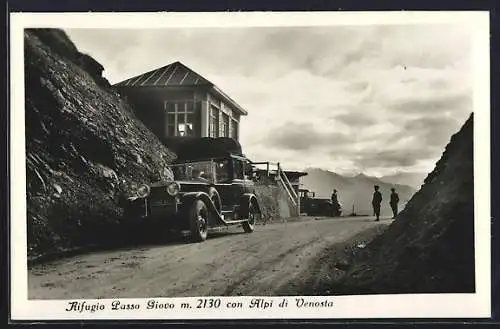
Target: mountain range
(355,193)
(411,179)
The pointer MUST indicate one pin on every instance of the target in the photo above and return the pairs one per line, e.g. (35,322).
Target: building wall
(150,108)
(147,107)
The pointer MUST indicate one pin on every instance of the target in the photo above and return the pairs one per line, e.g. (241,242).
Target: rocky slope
(429,248)
(354,191)
(84,147)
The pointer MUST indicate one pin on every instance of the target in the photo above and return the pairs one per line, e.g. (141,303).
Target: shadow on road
(145,238)
(141,240)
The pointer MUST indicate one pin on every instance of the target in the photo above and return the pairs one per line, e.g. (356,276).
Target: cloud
(357,86)
(434,131)
(303,136)
(393,158)
(432,105)
(345,98)
(355,120)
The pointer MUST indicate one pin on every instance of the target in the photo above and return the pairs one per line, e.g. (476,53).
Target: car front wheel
(249,224)
(198,221)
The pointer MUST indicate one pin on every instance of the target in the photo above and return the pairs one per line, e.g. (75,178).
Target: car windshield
(210,171)
(222,170)
(201,171)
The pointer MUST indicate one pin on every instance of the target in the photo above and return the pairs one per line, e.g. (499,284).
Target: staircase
(283,180)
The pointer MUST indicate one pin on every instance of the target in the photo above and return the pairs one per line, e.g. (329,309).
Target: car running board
(232,222)
(228,222)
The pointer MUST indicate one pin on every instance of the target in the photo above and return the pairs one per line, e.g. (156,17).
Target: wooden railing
(264,163)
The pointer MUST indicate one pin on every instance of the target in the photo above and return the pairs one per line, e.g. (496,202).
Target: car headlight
(143,191)
(173,188)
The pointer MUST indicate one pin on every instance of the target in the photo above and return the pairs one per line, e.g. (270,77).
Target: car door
(248,177)
(228,187)
(239,185)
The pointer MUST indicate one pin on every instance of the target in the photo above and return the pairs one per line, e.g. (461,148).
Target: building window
(180,118)
(224,126)
(234,129)
(213,121)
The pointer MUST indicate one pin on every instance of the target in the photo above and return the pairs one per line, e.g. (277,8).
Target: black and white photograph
(250,165)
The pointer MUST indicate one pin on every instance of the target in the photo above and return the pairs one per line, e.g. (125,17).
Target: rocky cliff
(84,146)
(429,248)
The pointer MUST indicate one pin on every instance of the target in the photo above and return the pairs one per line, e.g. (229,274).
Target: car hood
(180,182)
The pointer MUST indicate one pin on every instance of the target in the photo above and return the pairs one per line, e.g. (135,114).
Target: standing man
(335,199)
(376,201)
(335,203)
(394,202)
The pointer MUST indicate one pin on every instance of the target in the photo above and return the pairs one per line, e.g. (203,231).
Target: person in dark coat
(335,203)
(376,201)
(394,202)
(335,199)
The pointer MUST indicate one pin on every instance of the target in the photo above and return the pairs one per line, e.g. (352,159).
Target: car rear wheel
(198,221)
(249,224)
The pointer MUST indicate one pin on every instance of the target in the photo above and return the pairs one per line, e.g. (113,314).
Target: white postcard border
(477,305)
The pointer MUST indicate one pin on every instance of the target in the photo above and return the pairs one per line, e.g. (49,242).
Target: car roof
(201,159)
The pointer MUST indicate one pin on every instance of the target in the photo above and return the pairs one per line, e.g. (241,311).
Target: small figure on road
(336,211)
(376,201)
(394,202)
(335,199)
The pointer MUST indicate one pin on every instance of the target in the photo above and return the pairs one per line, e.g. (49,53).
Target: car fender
(245,201)
(188,198)
(134,206)
(212,192)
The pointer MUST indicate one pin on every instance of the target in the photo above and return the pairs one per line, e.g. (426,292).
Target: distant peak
(314,169)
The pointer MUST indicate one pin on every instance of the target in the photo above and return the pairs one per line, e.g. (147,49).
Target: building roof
(175,75)
(289,173)
(172,75)
(295,173)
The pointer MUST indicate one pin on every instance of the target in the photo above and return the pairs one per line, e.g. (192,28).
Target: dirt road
(230,263)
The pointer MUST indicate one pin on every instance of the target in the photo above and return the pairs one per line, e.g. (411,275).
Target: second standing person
(376,201)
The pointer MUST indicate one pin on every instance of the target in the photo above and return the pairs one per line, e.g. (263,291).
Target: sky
(381,100)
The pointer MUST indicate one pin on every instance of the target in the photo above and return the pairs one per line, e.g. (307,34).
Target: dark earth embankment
(429,248)
(84,146)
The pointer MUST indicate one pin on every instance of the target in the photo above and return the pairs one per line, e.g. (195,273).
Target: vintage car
(314,206)
(201,195)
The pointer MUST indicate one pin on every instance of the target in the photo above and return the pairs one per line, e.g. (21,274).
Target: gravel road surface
(227,264)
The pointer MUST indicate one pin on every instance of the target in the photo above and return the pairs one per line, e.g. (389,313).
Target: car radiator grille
(160,197)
